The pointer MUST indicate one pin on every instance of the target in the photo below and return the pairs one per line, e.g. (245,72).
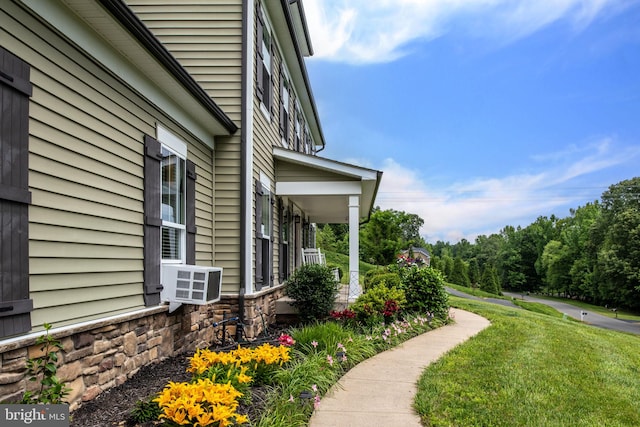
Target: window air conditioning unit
(190,284)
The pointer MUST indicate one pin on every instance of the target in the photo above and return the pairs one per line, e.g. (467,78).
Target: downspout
(246,156)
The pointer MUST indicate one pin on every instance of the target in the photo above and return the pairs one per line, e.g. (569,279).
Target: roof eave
(293,54)
(300,23)
(128,19)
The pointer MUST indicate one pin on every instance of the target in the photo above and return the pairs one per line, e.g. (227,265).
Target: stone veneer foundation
(104,354)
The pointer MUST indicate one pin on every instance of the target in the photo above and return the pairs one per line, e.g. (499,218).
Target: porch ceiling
(321,187)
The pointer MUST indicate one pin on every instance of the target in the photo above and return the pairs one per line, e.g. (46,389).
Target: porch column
(354,248)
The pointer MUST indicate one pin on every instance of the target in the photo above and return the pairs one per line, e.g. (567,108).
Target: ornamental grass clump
(322,353)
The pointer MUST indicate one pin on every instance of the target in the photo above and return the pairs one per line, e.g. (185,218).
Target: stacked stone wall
(105,354)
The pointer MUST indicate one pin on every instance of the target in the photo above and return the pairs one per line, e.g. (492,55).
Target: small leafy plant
(44,368)
(146,410)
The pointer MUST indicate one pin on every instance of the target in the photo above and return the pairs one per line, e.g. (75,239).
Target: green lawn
(531,369)
(342,261)
(538,307)
(475,291)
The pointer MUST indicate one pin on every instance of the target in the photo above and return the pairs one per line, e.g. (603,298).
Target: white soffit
(318,188)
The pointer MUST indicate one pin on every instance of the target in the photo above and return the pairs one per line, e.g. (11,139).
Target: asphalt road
(500,301)
(590,318)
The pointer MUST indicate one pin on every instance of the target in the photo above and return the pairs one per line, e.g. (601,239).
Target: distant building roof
(415,250)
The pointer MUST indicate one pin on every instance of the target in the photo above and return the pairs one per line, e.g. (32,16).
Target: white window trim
(287,108)
(266,185)
(171,141)
(176,145)
(307,141)
(269,29)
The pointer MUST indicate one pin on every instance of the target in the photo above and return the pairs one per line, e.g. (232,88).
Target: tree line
(592,255)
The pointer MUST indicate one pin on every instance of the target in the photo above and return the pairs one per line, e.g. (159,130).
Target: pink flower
(330,359)
(316,402)
(291,398)
(314,388)
(314,344)
(286,340)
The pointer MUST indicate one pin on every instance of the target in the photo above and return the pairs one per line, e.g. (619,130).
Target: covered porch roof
(321,187)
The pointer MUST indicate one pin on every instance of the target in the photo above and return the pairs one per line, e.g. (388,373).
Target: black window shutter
(283,112)
(259,277)
(291,127)
(269,270)
(15,198)
(270,83)
(281,246)
(298,130)
(260,61)
(152,221)
(191,212)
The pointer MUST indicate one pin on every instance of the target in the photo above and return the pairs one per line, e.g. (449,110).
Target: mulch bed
(113,407)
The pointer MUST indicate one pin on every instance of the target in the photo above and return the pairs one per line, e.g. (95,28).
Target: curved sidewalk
(379,392)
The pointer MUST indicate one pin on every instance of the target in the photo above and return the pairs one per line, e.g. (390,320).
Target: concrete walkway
(379,392)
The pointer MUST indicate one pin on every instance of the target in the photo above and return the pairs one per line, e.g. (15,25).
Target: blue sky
(480,113)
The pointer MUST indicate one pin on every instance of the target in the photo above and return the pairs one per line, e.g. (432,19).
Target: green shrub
(370,306)
(369,275)
(390,280)
(425,292)
(314,290)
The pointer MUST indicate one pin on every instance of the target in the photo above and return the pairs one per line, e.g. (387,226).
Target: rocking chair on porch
(315,256)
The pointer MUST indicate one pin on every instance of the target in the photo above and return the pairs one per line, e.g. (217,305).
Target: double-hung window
(169,208)
(173,186)
(284,221)
(285,100)
(265,64)
(298,130)
(173,206)
(307,141)
(264,234)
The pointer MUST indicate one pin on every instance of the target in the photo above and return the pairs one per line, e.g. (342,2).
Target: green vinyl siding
(86,131)
(206,38)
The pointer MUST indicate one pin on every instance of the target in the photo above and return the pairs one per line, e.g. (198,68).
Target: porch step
(285,308)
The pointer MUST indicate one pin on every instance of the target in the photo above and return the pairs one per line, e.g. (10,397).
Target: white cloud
(486,205)
(369,31)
